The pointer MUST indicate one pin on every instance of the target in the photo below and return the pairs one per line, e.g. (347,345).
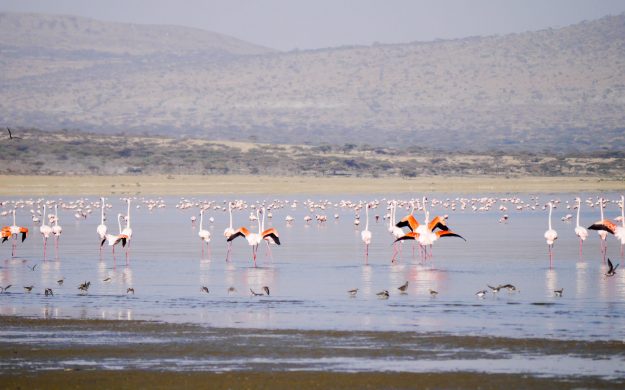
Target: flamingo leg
(550,257)
(229,251)
(202,244)
(580,248)
(45,241)
(254,253)
(366,254)
(269,251)
(208,247)
(393,260)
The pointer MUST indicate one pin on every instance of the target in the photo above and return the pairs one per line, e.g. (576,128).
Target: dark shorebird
(28,288)
(31,268)
(611,269)
(60,281)
(383,294)
(559,292)
(481,293)
(11,136)
(509,287)
(494,290)
(231,290)
(4,289)
(130,290)
(84,287)
(433,293)
(266,289)
(255,294)
(107,279)
(204,289)
(48,291)
(352,293)
(403,288)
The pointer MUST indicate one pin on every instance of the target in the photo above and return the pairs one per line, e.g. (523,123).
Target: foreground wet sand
(237,184)
(67,353)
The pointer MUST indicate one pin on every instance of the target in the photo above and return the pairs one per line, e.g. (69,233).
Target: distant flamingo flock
(422,234)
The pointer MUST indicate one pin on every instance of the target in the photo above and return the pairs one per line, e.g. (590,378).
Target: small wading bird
(403,288)
(433,293)
(383,294)
(48,291)
(551,236)
(481,293)
(84,287)
(28,289)
(130,290)
(255,294)
(4,289)
(611,269)
(204,289)
(352,293)
(558,293)
(11,136)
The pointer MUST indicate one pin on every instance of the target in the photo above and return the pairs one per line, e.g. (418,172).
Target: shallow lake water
(310,273)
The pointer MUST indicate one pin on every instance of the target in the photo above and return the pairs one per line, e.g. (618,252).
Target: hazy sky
(289,24)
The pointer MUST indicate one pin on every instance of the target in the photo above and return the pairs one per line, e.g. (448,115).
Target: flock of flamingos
(408,228)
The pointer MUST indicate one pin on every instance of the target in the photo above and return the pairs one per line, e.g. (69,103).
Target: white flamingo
(580,231)
(102,229)
(228,232)
(114,239)
(619,232)
(46,232)
(127,230)
(56,229)
(551,236)
(395,231)
(204,234)
(365,235)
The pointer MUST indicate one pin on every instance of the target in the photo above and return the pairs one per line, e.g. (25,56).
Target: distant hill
(551,90)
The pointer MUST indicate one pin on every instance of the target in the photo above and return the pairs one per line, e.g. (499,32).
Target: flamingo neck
(128,215)
(367,216)
(119,223)
(44,214)
(550,209)
(56,215)
(623,210)
(579,206)
(230,212)
(102,216)
(201,218)
(14,217)
(258,220)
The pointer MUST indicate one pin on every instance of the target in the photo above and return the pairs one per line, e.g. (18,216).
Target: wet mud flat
(55,353)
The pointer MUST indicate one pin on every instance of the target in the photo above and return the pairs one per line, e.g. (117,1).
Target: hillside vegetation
(79,153)
(557,90)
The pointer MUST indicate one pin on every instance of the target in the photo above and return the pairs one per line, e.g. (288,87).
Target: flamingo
(204,234)
(253,239)
(270,235)
(45,231)
(550,235)
(438,234)
(127,230)
(114,239)
(101,229)
(395,231)
(229,231)
(365,235)
(12,231)
(603,227)
(580,231)
(620,230)
(56,230)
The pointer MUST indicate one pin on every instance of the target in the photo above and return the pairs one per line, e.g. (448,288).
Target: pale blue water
(315,266)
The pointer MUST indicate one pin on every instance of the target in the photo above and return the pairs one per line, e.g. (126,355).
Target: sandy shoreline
(236,184)
(55,353)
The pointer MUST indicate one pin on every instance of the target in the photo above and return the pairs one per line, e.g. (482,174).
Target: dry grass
(235,184)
